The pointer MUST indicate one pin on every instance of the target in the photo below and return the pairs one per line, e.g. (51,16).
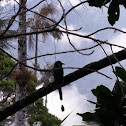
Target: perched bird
(58,76)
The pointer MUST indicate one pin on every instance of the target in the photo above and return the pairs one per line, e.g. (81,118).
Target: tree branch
(88,69)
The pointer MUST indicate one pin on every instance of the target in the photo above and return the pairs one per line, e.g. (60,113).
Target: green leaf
(113,12)
(120,72)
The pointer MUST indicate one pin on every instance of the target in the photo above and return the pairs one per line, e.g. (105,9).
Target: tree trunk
(22,54)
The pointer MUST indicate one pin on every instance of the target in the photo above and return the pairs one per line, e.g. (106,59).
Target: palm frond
(38,23)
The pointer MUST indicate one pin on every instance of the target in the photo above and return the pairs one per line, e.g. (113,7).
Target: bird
(58,77)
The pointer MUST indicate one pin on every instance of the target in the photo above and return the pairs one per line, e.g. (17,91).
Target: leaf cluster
(110,106)
(36,112)
(113,9)
(7,84)
(6,64)
(26,78)
(39,113)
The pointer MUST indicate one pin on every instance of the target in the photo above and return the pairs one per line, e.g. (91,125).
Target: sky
(76,93)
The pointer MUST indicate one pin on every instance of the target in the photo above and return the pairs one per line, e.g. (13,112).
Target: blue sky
(75,95)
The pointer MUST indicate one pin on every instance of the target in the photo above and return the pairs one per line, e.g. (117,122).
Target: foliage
(35,112)
(6,64)
(39,113)
(7,85)
(31,86)
(24,76)
(113,9)
(110,105)
(121,73)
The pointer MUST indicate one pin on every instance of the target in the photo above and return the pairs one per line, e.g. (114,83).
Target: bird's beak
(63,64)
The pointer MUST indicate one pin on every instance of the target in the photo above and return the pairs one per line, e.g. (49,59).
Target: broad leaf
(101,90)
(113,12)
(120,72)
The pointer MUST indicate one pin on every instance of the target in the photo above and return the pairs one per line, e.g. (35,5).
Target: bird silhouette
(58,76)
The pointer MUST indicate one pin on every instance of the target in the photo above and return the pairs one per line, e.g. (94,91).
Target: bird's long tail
(60,94)
(61,98)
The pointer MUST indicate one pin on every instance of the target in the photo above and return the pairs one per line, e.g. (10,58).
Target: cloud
(71,3)
(119,39)
(73,102)
(11,2)
(78,42)
(5,2)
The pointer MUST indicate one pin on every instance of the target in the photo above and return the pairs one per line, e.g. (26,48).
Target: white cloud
(5,2)
(70,3)
(73,2)
(73,102)
(76,41)
(120,40)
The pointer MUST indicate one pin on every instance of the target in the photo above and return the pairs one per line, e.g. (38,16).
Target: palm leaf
(38,22)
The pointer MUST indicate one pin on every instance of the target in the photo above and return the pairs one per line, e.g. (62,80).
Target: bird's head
(58,63)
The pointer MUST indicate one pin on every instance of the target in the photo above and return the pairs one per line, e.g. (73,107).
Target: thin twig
(67,30)
(106,28)
(106,55)
(116,58)
(89,70)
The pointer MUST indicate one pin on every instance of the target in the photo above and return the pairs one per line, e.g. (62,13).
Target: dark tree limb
(88,69)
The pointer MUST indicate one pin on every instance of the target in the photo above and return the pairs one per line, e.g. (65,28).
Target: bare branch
(64,15)
(121,55)
(14,17)
(62,31)
(116,58)
(107,28)
(88,69)
(70,11)
(11,22)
